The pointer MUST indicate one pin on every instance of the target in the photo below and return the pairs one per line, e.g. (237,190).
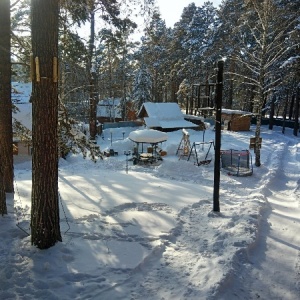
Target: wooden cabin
(236,120)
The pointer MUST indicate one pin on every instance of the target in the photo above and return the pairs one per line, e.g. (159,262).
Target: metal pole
(110,137)
(127,153)
(218,107)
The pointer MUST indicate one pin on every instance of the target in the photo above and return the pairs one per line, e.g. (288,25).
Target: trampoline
(237,162)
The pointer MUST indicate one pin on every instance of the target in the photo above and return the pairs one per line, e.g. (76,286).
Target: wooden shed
(165,116)
(236,120)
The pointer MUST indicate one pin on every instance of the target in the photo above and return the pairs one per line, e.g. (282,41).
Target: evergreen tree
(20,40)
(181,65)
(198,40)
(45,226)
(154,53)
(193,39)
(184,92)
(142,87)
(6,135)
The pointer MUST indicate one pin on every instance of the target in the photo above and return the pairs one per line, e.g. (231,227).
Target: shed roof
(235,112)
(164,115)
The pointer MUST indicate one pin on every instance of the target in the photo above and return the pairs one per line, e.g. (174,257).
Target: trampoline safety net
(237,162)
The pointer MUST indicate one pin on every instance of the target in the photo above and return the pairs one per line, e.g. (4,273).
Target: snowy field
(150,233)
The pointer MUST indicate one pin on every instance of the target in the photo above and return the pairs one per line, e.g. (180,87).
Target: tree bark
(297,105)
(292,107)
(92,77)
(3,207)
(45,227)
(285,111)
(6,135)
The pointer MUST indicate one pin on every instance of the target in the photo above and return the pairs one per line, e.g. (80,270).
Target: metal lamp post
(111,132)
(127,153)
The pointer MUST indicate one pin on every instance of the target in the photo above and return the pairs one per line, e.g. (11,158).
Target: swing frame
(193,148)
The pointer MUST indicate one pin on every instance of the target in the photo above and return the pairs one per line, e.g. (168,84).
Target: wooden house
(236,120)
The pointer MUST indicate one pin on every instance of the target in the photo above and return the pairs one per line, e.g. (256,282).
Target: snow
(21,91)
(148,136)
(151,233)
(163,111)
(24,114)
(164,115)
(235,112)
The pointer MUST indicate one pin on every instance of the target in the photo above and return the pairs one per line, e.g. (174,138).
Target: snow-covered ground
(151,233)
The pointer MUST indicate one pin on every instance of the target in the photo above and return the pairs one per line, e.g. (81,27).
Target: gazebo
(142,138)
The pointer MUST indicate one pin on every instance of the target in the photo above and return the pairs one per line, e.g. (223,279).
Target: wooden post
(218,107)
(55,69)
(37,70)
(252,144)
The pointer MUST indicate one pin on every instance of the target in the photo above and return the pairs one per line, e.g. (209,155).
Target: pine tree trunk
(292,107)
(284,111)
(45,227)
(6,135)
(92,79)
(297,106)
(3,207)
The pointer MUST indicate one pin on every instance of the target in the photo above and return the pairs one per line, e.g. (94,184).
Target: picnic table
(147,137)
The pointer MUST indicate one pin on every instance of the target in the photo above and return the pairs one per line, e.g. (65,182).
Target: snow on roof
(235,112)
(148,136)
(152,122)
(164,115)
(200,118)
(163,110)
(177,124)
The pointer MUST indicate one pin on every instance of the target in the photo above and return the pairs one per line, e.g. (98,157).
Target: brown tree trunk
(45,227)
(6,136)
(285,111)
(3,207)
(92,78)
(297,106)
(292,107)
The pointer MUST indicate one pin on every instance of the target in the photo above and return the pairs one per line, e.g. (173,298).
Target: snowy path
(151,233)
(271,269)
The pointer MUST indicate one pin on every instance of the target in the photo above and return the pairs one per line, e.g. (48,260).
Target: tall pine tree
(6,136)
(45,226)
